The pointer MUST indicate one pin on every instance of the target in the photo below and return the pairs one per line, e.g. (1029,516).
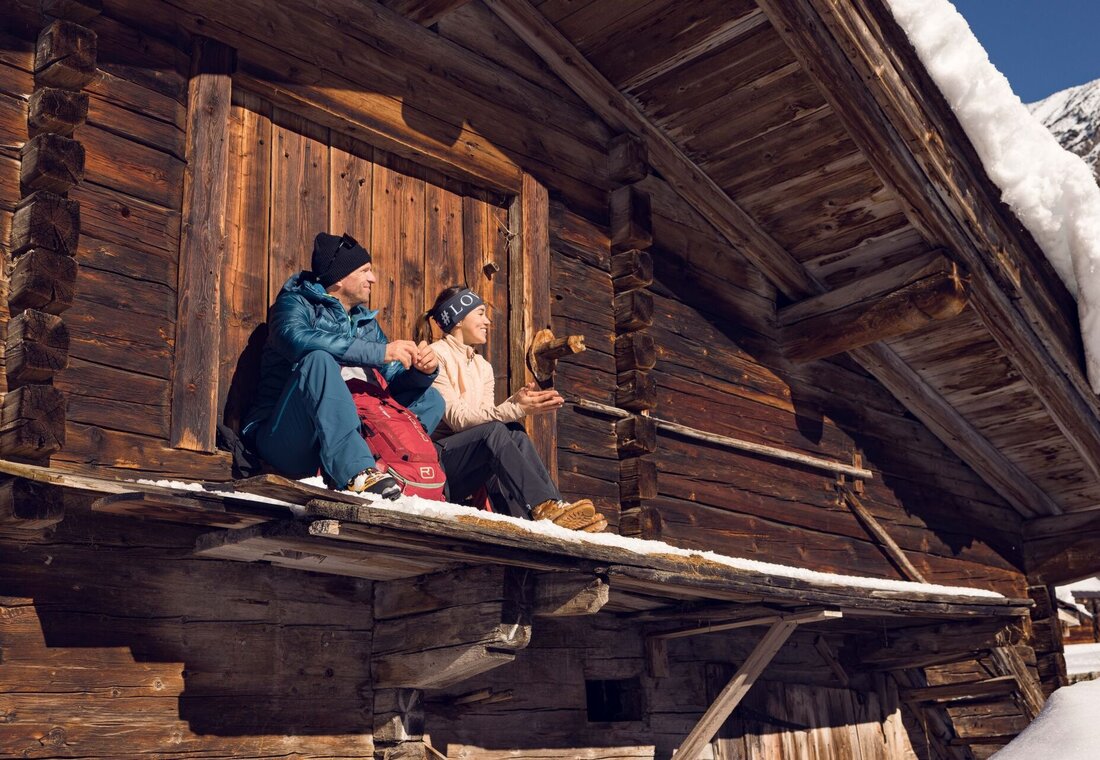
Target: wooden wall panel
(397,248)
(244,292)
(299,193)
(147,657)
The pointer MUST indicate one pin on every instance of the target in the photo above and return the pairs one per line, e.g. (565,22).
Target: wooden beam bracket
(545,351)
(437,630)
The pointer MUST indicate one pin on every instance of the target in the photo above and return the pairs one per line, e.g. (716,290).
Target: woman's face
(474,327)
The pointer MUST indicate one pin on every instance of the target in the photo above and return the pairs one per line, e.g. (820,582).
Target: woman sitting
(484,444)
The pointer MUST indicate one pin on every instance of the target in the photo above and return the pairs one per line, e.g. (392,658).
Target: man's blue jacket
(305,318)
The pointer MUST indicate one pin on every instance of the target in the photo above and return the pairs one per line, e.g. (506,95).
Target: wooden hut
(815,338)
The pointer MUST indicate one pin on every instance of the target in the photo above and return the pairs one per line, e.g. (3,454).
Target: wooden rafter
(884,305)
(774,261)
(909,143)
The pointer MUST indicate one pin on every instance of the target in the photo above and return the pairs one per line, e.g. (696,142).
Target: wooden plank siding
(270,664)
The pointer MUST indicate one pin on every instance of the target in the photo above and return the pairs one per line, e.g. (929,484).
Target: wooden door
(291,178)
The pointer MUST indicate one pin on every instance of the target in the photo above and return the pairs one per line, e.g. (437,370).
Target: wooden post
(202,247)
(529,285)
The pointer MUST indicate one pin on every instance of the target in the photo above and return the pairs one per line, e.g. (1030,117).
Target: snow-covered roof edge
(1049,189)
(415,505)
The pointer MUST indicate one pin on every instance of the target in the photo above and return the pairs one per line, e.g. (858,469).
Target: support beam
(54,110)
(633,310)
(1007,661)
(874,527)
(631,219)
(27,507)
(1000,686)
(636,391)
(435,631)
(203,240)
(569,594)
(885,305)
(631,269)
(627,160)
(636,435)
(1062,549)
(775,262)
(742,681)
(635,350)
(922,646)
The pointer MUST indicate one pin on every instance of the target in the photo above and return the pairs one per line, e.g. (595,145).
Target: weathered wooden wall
(547,684)
(117,643)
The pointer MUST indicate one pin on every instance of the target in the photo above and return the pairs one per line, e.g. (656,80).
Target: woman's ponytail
(424,327)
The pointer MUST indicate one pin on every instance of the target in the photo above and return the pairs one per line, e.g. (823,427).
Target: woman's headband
(454,309)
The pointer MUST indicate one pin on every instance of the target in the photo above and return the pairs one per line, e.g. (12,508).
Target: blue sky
(1042,46)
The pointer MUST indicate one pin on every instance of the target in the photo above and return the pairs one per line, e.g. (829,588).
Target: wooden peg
(545,350)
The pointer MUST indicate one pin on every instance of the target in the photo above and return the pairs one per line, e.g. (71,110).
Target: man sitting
(304,417)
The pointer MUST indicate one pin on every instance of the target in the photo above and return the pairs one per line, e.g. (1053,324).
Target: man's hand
(404,351)
(426,360)
(533,401)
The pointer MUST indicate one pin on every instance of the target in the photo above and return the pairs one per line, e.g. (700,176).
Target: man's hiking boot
(579,515)
(371,480)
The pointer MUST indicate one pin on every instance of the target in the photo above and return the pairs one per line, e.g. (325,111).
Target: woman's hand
(426,360)
(534,401)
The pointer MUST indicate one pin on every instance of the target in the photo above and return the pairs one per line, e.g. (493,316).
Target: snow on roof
(454,512)
(1050,190)
(1065,729)
(1083,658)
(1065,593)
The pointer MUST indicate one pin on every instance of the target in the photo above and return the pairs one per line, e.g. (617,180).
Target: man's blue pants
(315,424)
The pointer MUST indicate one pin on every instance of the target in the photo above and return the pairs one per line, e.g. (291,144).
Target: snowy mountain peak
(1073,115)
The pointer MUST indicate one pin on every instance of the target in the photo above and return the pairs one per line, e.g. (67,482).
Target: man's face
(354,289)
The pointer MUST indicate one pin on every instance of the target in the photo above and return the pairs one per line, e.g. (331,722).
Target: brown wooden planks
(244,294)
(397,247)
(299,194)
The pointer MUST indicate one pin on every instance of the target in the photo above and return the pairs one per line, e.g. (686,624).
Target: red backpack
(398,440)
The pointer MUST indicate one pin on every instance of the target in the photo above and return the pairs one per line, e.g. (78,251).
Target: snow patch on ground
(454,512)
(1065,729)
(1083,658)
(1052,191)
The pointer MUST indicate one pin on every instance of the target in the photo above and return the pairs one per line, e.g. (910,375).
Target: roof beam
(884,305)
(756,245)
(920,153)
(423,12)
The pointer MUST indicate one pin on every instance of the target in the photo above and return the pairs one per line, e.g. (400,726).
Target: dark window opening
(612,701)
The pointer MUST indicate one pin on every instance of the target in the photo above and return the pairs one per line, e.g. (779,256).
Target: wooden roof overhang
(810,135)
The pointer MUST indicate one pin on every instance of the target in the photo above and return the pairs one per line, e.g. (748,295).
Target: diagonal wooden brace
(744,678)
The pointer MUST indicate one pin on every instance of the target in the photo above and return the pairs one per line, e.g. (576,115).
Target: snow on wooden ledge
(420,507)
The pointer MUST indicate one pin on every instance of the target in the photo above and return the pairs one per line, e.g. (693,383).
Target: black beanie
(335,257)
